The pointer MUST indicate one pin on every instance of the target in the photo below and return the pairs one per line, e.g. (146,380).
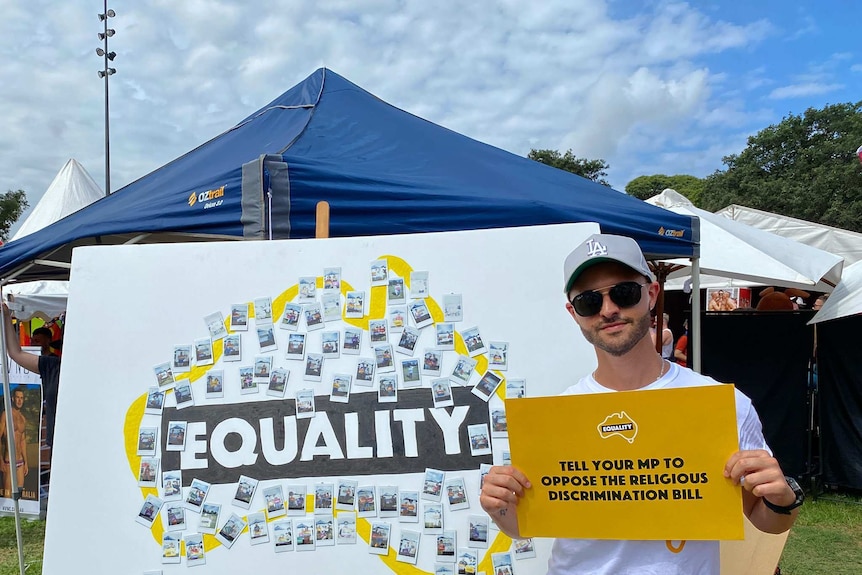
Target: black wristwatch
(786,509)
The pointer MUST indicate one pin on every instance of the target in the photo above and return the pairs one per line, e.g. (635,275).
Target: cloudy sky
(649,86)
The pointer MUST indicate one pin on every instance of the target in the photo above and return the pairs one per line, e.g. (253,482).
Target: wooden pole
(322,227)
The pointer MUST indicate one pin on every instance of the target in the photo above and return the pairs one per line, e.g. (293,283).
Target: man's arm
(26,360)
(761,477)
(502,487)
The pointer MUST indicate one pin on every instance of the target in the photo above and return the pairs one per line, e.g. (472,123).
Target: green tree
(12,205)
(594,170)
(804,167)
(644,187)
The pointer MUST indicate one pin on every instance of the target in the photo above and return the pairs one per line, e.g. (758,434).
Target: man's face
(18,399)
(40,340)
(614,329)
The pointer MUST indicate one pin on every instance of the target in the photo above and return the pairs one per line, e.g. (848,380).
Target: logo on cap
(595,249)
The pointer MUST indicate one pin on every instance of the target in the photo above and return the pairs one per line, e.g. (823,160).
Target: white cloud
(801,90)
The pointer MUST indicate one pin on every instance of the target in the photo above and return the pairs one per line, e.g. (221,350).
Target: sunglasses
(623,294)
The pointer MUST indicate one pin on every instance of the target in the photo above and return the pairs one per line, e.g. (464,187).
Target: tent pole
(695,315)
(322,223)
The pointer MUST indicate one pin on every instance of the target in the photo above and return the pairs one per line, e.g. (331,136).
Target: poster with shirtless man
(26,421)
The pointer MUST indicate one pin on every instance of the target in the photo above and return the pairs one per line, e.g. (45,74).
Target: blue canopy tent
(382,170)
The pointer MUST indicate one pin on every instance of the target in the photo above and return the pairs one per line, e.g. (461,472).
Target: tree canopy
(12,205)
(594,170)
(645,187)
(803,167)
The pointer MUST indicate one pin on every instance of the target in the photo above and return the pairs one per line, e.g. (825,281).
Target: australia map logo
(618,424)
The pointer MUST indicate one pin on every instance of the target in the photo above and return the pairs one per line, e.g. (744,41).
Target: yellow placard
(628,465)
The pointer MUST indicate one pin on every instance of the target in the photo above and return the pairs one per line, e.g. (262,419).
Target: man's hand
(26,469)
(759,474)
(503,485)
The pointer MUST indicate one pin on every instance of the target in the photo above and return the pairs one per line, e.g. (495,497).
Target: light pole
(106,73)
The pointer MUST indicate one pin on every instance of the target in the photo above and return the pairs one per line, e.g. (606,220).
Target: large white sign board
(133,309)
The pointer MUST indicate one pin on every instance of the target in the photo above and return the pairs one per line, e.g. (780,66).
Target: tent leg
(322,228)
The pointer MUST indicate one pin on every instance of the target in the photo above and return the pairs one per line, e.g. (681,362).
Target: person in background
(19,427)
(680,350)
(818,303)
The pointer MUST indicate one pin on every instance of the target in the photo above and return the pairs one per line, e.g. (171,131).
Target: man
(47,366)
(611,292)
(680,350)
(42,337)
(19,427)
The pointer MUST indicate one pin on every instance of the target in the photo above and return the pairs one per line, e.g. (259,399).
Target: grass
(826,540)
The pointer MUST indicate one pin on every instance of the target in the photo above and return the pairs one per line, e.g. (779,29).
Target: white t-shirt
(610,557)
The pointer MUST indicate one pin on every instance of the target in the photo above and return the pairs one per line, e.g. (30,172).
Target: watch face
(797,490)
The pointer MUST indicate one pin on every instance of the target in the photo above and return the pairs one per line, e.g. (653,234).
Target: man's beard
(618,347)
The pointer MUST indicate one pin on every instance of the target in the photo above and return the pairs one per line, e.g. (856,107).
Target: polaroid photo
(502,454)
(484,469)
(419,285)
(324,530)
(274,498)
(295,346)
(524,548)
(290,317)
(432,487)
(487,385)
(468,560)
(452,310)
(323,499)
(379,542)
(231,530)
(331,304)
(463,370)
(282,535)
(446,336)
(304,403)
(410,377)
(456,494)
(444,569)
(478,531)
(262,368)
(266,338)
(232,347)
(258,531)
(263,310)
(473,340)
(352,342)
(208,522)
(307,289)
(502,563)
(203,351)
(446,546)
(239,317)
(397,318)
(303,534)
(197,495)
(171,548)
(330,344)
(313,316)
(164,375)
(155,401)
(383,361)
(345,524)
(278,382)
(395,293)
(172,485)
(182,361)
(379,273)
(175,516)
(388,501)
(195,552)
(176,436)
(215,325)
(354,306)
(408,546)
(340,390)
(516,388)
(499,426)
(432,518)
(215,383)
(183,394)
(480,440)
(441,392)
(432,362)
(498,355)
(387,388)
(244,494)
(296,495)
(420,314)
(407,341)
(365,372)
(313,367)
(148,471)
(408,506)
(149,511)
(378,331)
(346,498)
(332,280)
(366,501)
(247,384)
(148,440)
